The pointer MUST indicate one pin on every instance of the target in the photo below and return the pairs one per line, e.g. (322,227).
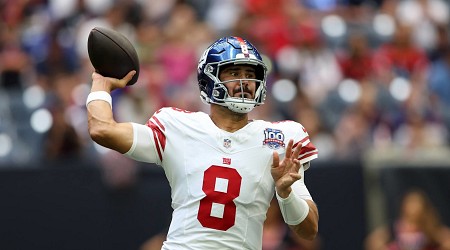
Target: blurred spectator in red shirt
(357,60)
(400,57)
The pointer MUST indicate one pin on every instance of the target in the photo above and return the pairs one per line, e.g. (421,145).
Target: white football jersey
(220,182)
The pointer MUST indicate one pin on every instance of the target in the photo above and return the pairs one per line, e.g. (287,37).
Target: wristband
(293,208)
(99,95)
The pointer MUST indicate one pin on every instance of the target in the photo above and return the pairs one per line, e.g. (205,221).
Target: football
(112,54)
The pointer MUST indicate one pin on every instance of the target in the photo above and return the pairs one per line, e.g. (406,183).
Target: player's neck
(226,119)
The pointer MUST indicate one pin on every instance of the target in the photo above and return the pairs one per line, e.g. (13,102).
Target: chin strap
(240,107)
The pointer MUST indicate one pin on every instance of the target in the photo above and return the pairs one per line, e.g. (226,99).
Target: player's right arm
(103,129)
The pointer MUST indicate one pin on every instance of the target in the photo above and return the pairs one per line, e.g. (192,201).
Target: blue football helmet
(224,52)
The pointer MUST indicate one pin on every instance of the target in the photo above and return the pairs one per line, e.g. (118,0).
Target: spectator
(400,57)
(418,226)
(439,87)
(356,61)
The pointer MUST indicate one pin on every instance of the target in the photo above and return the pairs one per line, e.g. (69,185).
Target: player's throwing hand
(111,83)
(285,173)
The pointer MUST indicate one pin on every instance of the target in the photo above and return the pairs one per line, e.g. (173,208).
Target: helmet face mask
(221,54)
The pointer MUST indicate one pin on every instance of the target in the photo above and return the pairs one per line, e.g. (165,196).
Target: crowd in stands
(358,74)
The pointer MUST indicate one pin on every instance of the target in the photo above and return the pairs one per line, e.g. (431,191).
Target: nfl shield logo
(227,143)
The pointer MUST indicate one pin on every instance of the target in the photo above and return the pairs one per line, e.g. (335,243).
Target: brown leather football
(112,54)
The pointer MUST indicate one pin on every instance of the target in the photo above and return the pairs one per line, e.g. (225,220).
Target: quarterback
(223,169)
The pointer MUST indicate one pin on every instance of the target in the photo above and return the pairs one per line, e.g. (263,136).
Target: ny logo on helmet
(202,60)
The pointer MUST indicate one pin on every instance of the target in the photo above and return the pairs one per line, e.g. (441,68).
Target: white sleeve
(143,148)
(299,187)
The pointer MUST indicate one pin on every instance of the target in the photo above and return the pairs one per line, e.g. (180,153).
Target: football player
(223,169)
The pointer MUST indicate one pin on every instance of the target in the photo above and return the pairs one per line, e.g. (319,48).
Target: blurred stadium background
(369,79)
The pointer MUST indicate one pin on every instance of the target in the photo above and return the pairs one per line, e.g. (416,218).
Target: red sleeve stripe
(304,139)
(159,123)
(301,156)
(159,137)
(155,137)
(307,155)
(301,141)
(307,150)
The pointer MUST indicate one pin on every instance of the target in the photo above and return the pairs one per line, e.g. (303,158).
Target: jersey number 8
(225,198)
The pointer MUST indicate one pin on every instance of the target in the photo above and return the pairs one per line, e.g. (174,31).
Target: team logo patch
(226,161)
(274,138)
(227,143)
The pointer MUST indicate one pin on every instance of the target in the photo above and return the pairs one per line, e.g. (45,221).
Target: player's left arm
(300,213)
(308,228)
